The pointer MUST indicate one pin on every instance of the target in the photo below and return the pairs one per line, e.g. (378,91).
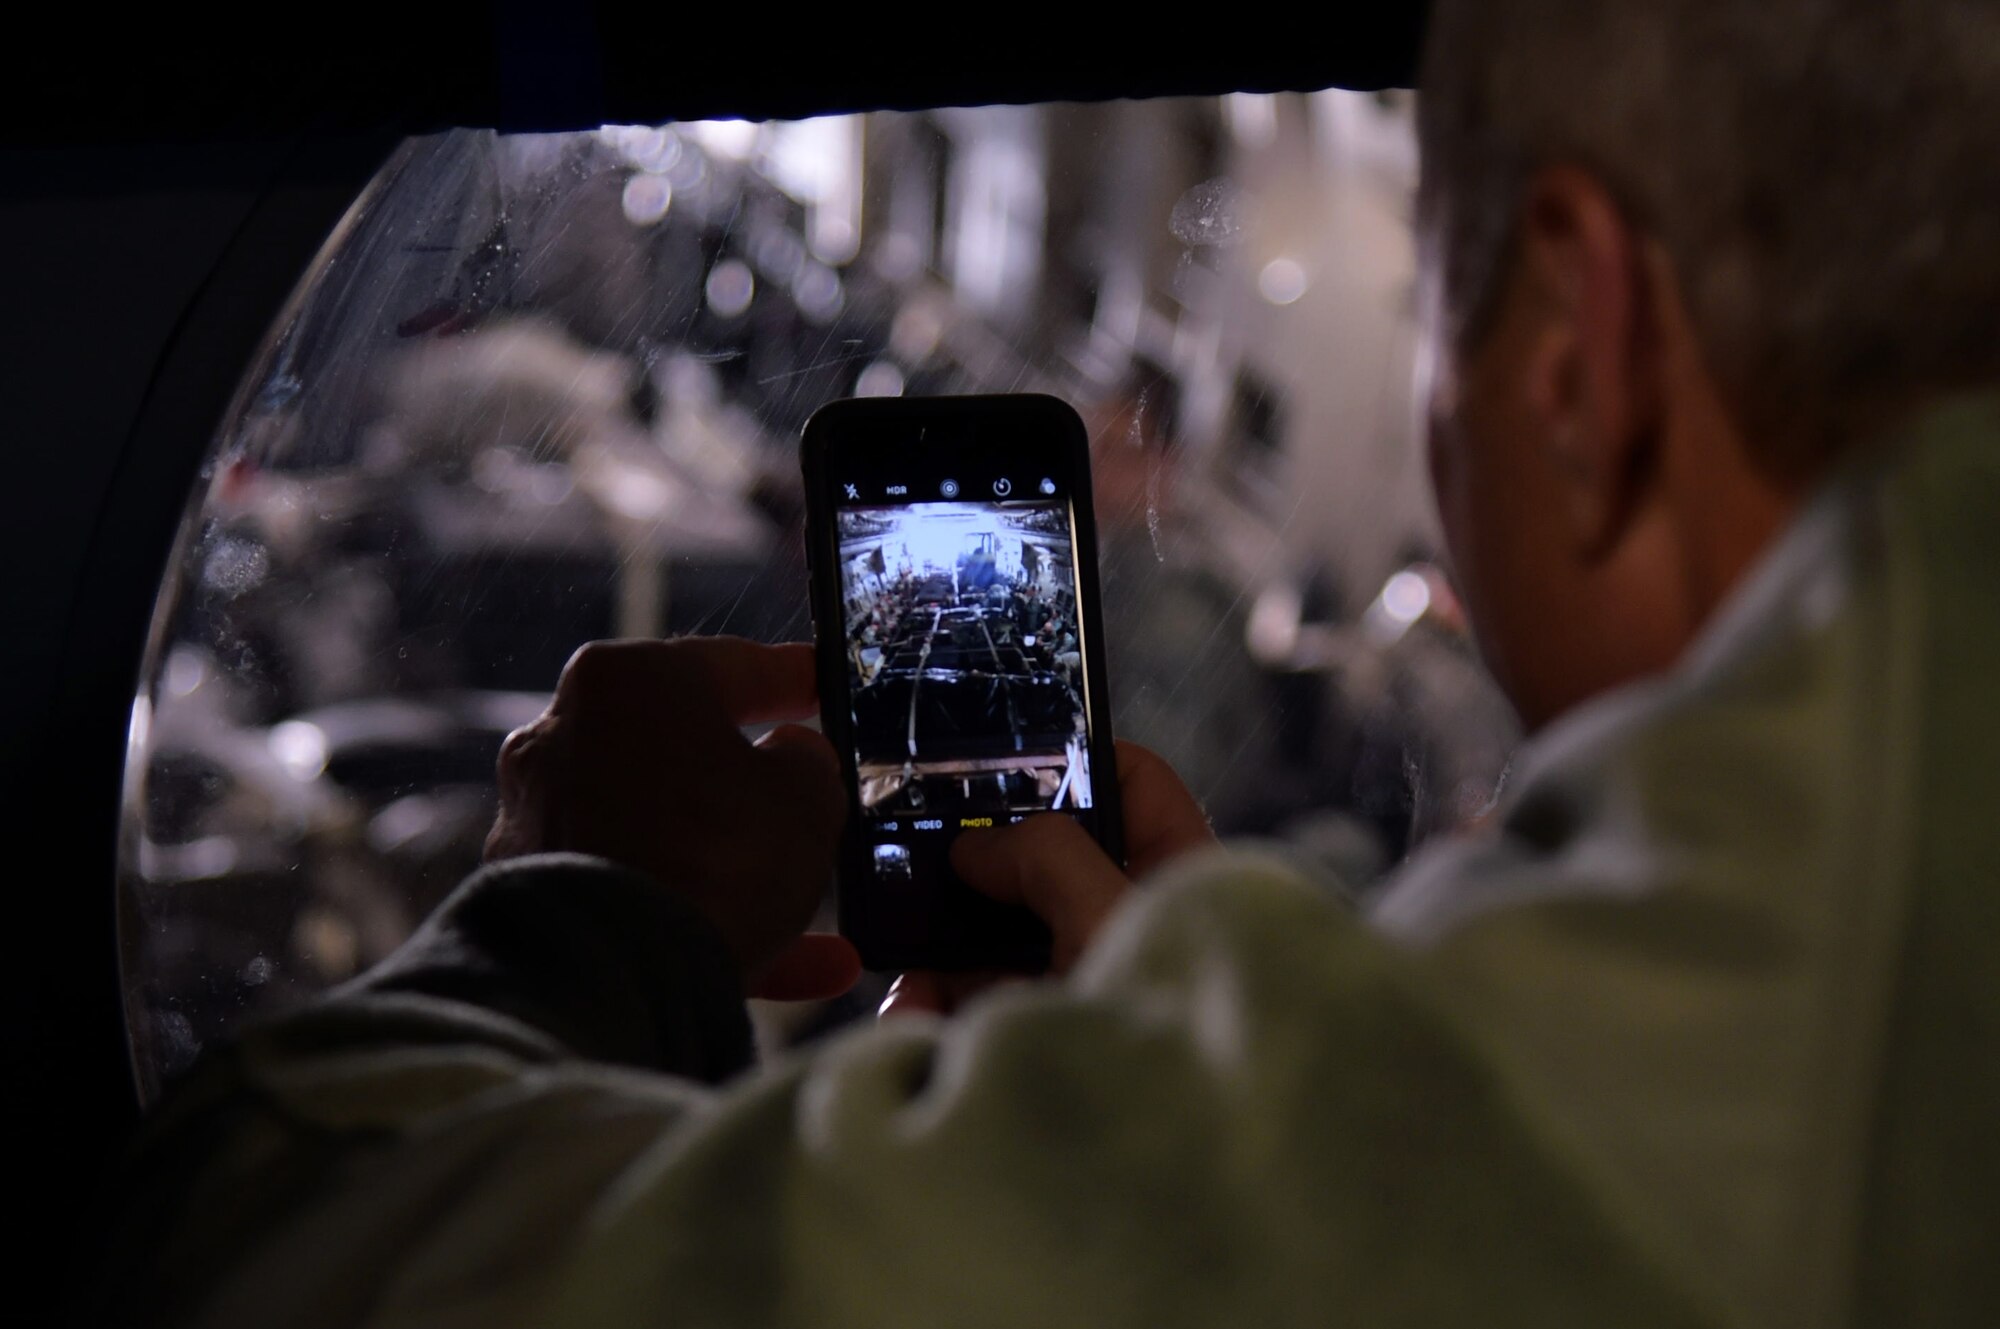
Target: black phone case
(994,936)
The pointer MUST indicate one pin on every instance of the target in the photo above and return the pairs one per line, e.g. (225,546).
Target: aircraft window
(545,388)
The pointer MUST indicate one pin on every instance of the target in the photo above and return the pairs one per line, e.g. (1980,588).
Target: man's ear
(1593,369)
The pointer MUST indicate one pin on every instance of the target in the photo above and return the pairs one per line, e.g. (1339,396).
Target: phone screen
(965,663)
(966,637)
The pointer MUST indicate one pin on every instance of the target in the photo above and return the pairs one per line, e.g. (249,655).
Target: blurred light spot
(816,159)
(652,149)
(647,198)
(734,139)
(1272,633)
(999,200)
(185,672)
(687,170)
(818,162)
(1363,130)
(329,942)
(1406,597)
(205,859)
(881,379)
(693,381)
(1252,117)
(139,729)
(401,823)
(637,495)
(819,293)
(1282,281)
(491,469)
(730,287)
(637,143)
(898,256)
(834,239)
(778,254)
(915,333)
(258,971)
(550,485)
(300,747)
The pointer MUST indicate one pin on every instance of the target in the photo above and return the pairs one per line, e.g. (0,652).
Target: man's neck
(1732,507)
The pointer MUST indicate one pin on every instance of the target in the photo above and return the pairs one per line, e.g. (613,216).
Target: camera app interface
(965,661)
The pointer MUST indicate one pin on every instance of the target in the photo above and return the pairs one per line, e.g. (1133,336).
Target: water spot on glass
(1211,213)
(178,1044)
(234,566)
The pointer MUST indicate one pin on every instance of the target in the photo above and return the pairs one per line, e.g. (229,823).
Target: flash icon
(852,492)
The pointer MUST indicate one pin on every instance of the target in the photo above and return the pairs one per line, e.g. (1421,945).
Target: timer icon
(1003,487)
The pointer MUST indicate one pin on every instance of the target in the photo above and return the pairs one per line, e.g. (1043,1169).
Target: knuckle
(518,742)
(586,669)
(526,751)
(514,754)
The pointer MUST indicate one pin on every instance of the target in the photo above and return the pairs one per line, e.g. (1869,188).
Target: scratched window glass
(542,389)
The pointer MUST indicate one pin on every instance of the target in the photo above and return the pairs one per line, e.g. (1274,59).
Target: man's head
(1683,253)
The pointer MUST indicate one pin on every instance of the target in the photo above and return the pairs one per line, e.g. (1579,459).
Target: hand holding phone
(954,561)
(641,759)
(1067,880)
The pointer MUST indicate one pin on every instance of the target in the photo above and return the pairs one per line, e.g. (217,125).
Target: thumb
(806,771)
(814,967)
(1050,864)
(1162,819)
(796,745)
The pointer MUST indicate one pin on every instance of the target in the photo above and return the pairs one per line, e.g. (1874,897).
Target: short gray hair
(1825,175)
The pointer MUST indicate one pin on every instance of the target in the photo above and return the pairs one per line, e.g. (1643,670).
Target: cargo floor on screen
(963,657)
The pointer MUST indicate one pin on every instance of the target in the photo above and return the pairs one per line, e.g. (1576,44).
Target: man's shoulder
(1686,929)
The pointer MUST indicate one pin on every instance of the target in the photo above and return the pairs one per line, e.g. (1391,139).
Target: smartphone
(961,661)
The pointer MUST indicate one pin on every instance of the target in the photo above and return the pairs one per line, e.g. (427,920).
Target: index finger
(757,684)
(751,683)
